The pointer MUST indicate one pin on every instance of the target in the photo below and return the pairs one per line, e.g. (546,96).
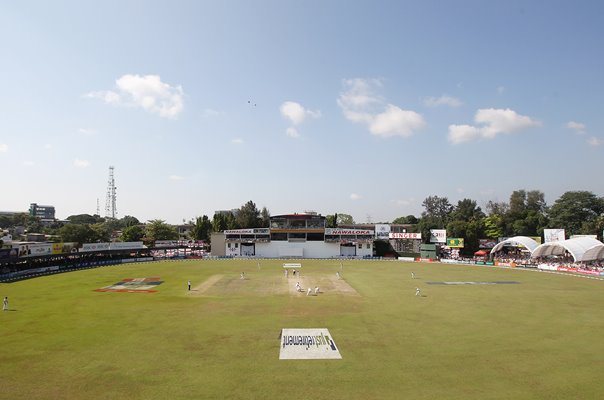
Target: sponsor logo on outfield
(307,344)
(133,285)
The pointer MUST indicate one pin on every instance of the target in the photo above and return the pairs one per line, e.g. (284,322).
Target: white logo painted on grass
(307,344)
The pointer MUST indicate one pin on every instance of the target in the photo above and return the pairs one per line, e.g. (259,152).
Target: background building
(43,212)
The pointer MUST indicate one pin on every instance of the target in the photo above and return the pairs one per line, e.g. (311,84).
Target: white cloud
(292,132)
(3,148)
(404,202)
(81,163)
(28,163)
(176,178)
(494,122)
(444,100)
(209,113)
(359,104)
(296,113)
(87,131)
(354,196)
(396,122)
(578,127)
(594,141)
(48,146)
(237,141)
(147,92)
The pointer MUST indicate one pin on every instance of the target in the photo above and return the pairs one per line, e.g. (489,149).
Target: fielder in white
(418,292)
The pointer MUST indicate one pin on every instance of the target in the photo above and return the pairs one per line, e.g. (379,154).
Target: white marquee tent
(581,249)
(594,253)
(526,241)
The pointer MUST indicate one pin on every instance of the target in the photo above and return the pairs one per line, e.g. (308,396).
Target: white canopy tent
(577,247)
(526,241)
(594,253)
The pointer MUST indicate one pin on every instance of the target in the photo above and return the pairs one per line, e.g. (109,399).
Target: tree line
(525,214)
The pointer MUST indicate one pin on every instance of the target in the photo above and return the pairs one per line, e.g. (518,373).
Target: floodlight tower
(110,207)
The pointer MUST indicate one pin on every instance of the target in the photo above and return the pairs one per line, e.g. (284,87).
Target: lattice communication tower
(110,206)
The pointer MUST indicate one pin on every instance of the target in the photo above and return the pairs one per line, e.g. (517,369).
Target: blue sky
(363,107)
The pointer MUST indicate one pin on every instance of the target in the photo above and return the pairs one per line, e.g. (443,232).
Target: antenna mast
(110,207)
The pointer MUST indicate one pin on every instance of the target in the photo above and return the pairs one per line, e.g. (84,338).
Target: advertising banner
(126,246)
(553,235)
(7,255)
(382,231)
(405,235)
(438,235)
(337,231)
(95,247)
(239,231)
(455,242)
(35,250)
(166,243)
(307,344)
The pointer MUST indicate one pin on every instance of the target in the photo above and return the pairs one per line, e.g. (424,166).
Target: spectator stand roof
(581,248)
(525,241)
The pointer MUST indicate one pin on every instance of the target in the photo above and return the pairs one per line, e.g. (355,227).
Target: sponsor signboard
(35,250)
(438,235)
(126,245)
(133,285)
(553,235)
(405,235)
(9,254)
(166,243)
(94,247)
(382,231)
(344,232)
(307,344)
(455,242)
(239,231)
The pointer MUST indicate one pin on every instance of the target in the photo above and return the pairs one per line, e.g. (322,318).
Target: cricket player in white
(309,291)
(412,275)
(418,292)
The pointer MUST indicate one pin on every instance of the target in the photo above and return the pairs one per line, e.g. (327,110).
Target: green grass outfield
(539,339)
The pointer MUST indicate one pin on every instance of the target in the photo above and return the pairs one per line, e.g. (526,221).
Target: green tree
(158,229)
(344,219)
(578,212)
(219,222)
(128,220)
(493,225)
(85,219)
(526,214)
(438,209)
(331,221)
(265,217)
(408,220)
(102,232)
(133,233)
(467,210)
(248,216)
(78,233)
(202,228)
